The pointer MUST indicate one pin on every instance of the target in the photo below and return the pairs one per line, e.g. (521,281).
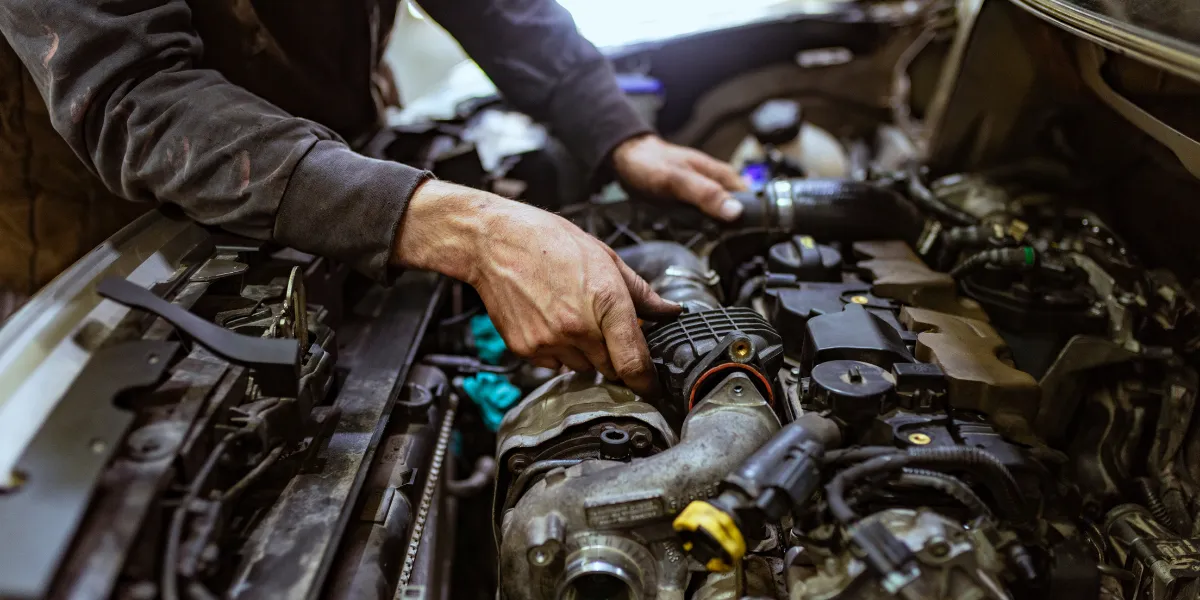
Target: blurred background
(423,55)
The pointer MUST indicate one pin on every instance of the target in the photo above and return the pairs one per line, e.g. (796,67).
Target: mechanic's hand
(652,166)
(557,295)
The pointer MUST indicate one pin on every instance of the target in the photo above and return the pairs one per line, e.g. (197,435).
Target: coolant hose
(832,209)
(674,272)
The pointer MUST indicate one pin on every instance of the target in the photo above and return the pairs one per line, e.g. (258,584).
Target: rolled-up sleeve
(543,66)
(121,81)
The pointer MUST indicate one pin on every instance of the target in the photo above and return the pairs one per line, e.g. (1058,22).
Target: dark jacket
(239,112)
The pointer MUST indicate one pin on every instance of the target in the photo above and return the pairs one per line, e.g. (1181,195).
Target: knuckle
(521,348)
(631,368)
(605,300)
(572,325)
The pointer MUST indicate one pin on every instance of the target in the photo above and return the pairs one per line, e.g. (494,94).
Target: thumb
(647,303)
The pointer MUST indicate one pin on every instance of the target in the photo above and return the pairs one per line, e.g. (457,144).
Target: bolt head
(640,439)
(518,463)
(919,439)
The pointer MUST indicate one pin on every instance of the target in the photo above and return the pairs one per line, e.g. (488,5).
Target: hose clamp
(785,206)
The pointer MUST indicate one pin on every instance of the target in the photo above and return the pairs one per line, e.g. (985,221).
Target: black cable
(835,490)
(459,318)
(925,199)
(992,473)
(946,484)
(1147,492)
(858,454)
(485,469)
(746,293)
(1007,258)
(468,364)
(170,583)
(1006,493)
(236,489)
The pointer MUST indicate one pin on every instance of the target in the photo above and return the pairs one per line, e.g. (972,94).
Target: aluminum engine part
(565,419)
(601,529)
(952,562)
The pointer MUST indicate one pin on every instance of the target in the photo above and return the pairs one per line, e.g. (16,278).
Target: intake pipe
(831,209)
(674,272)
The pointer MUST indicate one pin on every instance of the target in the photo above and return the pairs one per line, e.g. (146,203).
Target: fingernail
(730,209)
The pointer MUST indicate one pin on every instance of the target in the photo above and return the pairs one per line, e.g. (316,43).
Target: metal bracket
(59,470)
(275,362)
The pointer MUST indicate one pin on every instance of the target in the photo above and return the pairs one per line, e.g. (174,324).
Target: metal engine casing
(610,521)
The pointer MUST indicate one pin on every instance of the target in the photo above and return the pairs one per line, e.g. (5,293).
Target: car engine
(903,372)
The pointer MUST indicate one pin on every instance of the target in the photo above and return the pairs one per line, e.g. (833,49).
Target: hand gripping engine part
(674,272)
(694,352)
(604,525)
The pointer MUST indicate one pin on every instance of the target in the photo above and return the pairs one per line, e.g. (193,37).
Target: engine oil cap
(853,390)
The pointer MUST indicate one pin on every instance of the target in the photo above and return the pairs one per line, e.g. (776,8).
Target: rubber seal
(766,384)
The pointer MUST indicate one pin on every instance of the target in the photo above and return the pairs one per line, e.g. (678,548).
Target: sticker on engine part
(623,512)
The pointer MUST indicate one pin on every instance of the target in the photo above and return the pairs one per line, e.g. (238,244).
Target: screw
(539,557)
(919,439)
(737,390)
(518,463)
(640,439)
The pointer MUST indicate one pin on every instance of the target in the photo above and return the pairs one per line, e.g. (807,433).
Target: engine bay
(891,378)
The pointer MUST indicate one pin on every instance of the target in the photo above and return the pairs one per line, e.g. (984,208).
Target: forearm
(154,127)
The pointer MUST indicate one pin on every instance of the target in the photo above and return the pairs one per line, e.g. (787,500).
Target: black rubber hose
(1008,258)
(651,260)
(835,490)
(926,200)
(831,209)
(674,272)
(946,484)
(485,470)
(992,473)
(746,293)
(1147,493)
(858,454)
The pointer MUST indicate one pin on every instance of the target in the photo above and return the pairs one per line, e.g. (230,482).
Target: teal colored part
(488,343)
(456,443)
(494,395)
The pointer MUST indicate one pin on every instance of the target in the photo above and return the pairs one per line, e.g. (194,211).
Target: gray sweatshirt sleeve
(121,81)
(542,65)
